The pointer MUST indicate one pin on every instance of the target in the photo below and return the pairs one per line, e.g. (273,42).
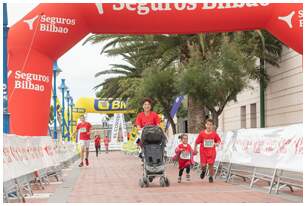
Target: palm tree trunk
(196,116)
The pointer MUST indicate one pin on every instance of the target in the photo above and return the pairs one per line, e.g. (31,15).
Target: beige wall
(284,96)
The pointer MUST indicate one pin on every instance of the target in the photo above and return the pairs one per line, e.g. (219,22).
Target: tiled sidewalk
(114,177)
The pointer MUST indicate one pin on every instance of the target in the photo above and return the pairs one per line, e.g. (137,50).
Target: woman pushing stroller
(152,142)
(145,118)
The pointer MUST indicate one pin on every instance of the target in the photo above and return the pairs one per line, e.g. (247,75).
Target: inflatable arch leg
(30,75)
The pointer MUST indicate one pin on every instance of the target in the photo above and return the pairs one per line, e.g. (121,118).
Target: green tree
(217,79)
(160,85)
(162,50)
(124,77)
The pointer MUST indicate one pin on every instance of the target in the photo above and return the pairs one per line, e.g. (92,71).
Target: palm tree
(113,86)
(141,51)
(164,50)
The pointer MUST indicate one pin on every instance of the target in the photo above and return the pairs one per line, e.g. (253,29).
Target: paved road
(114,177)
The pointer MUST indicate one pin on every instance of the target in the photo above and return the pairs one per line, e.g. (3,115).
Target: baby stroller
(153,142)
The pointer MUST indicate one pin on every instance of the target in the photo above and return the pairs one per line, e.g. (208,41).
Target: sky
(78,65)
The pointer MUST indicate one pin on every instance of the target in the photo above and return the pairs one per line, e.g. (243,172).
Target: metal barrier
(21,187)
(242,171)
(11,190)
(266,174)
(41,177)
(288,179)
(24,184)
(275,178)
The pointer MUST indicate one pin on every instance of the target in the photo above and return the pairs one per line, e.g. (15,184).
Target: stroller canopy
(153,135)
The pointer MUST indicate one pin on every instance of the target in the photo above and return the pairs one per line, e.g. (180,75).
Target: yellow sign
(100,106)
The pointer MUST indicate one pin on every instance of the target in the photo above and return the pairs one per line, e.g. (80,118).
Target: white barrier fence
(23,155)
(278,147)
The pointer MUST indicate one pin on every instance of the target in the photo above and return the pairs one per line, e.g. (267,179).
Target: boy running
(97,144)
(207,139)
(84,128)
(106,142)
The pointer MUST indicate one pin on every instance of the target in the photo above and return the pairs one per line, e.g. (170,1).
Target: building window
(253,116)
(243,116)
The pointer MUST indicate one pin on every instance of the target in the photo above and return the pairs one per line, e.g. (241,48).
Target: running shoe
(203,173)
(188,177)
(211,179)
(179,179)
(81,164)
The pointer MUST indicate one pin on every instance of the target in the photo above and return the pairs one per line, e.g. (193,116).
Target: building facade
(283,98)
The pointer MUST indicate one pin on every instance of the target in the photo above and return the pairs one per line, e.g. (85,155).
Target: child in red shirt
(106,141)
(184,153)
(97,144)
(207,139)
(84,128)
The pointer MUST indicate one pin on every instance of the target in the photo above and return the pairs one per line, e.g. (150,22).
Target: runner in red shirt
(184,153)
(147,117)
(84,128)
(207,139)
(97,144)
(106,142)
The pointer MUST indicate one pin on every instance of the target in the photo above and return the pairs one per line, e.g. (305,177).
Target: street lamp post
(63,88)
(6,115)
(72,122)
(54,100)
(68,112)
(56,72)
(71,112)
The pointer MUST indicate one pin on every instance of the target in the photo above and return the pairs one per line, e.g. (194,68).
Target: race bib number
(82,130)
(208,143)
(185,155)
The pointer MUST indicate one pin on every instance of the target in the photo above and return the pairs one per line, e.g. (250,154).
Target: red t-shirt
(106,140)
(207,141)
(97,140)
(144,120)
(84,130)
(185,157)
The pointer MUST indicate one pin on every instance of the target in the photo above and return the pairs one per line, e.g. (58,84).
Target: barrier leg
(278,181)
(217,169)
(19,192)
(253,177)
(272,181)
(228,172)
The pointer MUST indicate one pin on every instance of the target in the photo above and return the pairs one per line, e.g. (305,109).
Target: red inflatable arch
(50,30)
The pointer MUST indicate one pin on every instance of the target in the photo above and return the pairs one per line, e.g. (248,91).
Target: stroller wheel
(151,179)
(141,183)
(162,182)
(146,181)
(167,182)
